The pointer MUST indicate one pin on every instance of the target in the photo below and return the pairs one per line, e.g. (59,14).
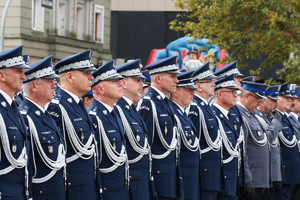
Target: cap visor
(193,87)
(239,74)
(138,76)
(172,72)
(274,97)
(52,76)
(117,76)
(260,95)
(22,66)
(88,69)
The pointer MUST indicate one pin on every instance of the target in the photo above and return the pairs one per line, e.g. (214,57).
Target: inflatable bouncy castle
(191,53)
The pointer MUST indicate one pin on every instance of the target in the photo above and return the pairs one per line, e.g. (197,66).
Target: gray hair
(26,86)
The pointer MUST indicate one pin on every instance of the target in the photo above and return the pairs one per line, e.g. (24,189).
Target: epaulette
(92,113)
(55,101)
(24,110)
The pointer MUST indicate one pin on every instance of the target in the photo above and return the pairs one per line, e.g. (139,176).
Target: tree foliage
(268,29)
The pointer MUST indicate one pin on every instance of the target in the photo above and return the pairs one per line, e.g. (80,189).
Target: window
(80,20)
(37,15)
(62,17)
(99,23)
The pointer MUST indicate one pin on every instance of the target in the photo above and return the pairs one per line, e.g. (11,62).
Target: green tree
(268,29)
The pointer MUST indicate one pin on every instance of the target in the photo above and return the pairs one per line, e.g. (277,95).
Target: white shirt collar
(106,106)
(128,100)
(204,100)
(280,111)
(40,107)
(6,96)
(159,92)
(294,114)
(76,98)
(223,110)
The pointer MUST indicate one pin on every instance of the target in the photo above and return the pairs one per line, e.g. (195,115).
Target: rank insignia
(105,112)
(258,133)
(202,103)
(158,96)
(221,115)
(235,127)
(3,103)
(127,106)
(70,100)
(50,149)
(38,112)
(14,148)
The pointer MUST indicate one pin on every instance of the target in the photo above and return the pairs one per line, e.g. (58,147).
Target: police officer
(207,131)
(264,114)
(288,144)
(224,99)
(188,140)
(257,138)
(136,133)
(107,89)
(46,141)
(14,146)
(73,121)
(237,120)
(155,109)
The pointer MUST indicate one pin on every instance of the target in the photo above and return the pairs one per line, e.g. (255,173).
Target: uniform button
(41,192)
(49,141)
(225,177)
(52,137)
(211,126)
(104,189)
(114,139)
(158,172)
(15,137)
(283,165)
(288,136)
(205,170)
(69,184)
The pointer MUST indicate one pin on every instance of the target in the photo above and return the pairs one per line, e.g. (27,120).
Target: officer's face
(252,102)
(185,96)
(13,80)
(168,82)
(112,89)
(206,87)
(284,104)
(82,81)
(297,106)
(228,97)
(45,89)
(132,87)
(270,105)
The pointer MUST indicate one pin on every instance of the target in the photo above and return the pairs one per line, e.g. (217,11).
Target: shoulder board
(55,101)
(92,113)
(24,111)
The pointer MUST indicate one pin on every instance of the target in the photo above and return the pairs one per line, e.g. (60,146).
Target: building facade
(62,28)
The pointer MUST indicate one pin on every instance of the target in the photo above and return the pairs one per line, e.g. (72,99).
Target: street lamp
(3,24)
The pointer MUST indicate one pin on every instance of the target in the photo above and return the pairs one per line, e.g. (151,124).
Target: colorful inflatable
(191,54)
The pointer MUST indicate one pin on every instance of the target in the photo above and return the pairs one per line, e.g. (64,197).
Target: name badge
(163,115)
(45,132)
(111,131)
(13,128)
(77,119)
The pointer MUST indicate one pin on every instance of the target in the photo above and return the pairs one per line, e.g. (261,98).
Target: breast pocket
(83,130)
(138,133)
(16,141)
(114,138)
(50,145)
(257,131)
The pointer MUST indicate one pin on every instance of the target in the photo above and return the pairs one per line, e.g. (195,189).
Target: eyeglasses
(256,97)
(208,81)
(234,92)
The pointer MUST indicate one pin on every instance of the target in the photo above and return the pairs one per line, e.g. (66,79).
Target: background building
(63,28)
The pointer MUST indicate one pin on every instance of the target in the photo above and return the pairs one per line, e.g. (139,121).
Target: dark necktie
(81,104)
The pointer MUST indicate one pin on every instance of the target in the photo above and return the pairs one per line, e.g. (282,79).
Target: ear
(70,77)
(100,89)
(32,86)
(123,83)
(158,78)
(2,75)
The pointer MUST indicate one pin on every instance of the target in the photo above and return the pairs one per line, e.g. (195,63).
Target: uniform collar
(223,110)
(159,92)
(128,100)
(6,96)
(40,107)
(204,100)
(106,106)
(294,114)
(181,108)
(72,95)
(280,111)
